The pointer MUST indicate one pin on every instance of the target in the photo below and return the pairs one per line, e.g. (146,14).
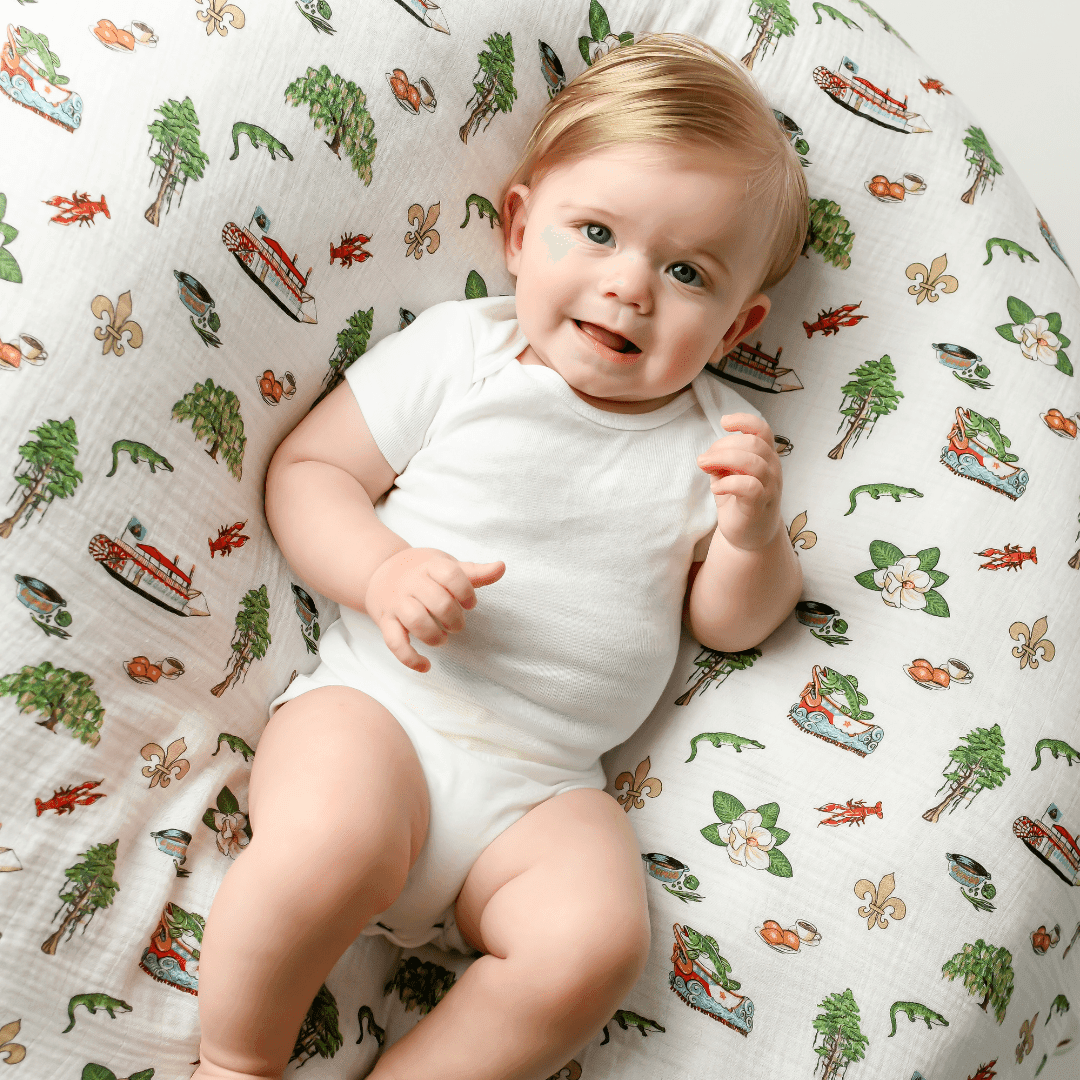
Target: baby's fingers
(397,641)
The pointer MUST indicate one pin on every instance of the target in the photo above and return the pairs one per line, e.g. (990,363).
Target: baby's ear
(514,215)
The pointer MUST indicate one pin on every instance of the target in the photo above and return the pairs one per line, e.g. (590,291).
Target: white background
(1015,64)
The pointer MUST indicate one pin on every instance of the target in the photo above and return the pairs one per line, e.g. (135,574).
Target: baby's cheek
(557,243)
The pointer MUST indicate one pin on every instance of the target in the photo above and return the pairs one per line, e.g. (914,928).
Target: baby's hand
(747,482)
(422,591)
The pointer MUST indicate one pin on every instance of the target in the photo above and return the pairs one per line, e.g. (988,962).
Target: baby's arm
(751,578)
(321,487)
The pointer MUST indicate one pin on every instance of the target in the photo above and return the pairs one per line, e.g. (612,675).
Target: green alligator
(718,739)
(483,207)
(1057,748)
(627,1019)
(139,452)
(234,743)
(974,424)
(915,1011)
(372,1028)
(1009,247)
(93,1002)
(1060,1004)
(877,490)
(259,137)
(847,685)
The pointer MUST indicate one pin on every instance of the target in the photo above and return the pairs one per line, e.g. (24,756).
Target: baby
(564,451)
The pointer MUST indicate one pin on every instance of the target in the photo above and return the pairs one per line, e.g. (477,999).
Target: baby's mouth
(608,337)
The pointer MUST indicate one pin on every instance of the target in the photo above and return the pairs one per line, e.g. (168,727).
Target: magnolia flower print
(231,839)
(903,584)
(748,842)
(1039,336)
(906,581)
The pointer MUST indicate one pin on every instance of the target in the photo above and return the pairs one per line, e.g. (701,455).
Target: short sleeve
(403,380)
(718,399)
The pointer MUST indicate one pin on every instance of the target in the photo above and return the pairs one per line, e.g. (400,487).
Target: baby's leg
(339,812)
(558,903)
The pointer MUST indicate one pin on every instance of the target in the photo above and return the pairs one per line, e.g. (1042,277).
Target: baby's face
(635,267)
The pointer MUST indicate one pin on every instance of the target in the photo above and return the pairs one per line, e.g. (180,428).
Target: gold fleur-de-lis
(933,279)
(1027,1039)
(1026,651)
(797,534)
(15,1051)
(214,16)
(423,232)
(637,785)
(119,323)
(878,901)
(168,760)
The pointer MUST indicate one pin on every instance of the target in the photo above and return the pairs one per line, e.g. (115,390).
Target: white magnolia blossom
(748,843)
(602,48)
(1037,341)
(231,838)
(903,584)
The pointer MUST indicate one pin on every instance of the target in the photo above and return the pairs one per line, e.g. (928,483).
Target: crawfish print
(66,799)
(829,322)
(1012,558)
(228,538)
(853,812)
(79,208)
(349,250)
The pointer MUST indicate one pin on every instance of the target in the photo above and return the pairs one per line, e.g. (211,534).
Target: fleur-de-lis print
(1027,1039)
(797,534)
(167,761)
(1025,652)
(637,785)
(878,901)
(423,232)
(119,323)
(214,16)
(932,279)
(15,1051)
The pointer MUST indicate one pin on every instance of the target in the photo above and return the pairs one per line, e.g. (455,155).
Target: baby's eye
(598,234)
(685,273)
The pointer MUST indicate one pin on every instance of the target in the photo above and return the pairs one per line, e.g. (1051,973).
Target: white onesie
(597,516)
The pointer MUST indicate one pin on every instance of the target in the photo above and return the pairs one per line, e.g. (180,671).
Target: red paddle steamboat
(863,98)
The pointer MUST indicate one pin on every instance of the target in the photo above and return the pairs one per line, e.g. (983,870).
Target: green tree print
(320,1032)
(352,342)
(979,766)
(9,268)
(338,105)
(420,985)
(775,20)
(842,1040)
(92,887)
(493,84)
(872,394)
(714,667)
(981,158)
(251,637)
(215,417)
(48,471)
(985,969)
(829,233)
(178,158)
(61,696)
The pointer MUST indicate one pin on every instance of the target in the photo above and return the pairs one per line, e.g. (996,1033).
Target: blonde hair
(676,89)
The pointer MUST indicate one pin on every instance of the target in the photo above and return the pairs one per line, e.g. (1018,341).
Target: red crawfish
(66,799)
(80,208)
(350,249)
(1012,558)
(228,538)
(853,812)
(829,322)
(934,84)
